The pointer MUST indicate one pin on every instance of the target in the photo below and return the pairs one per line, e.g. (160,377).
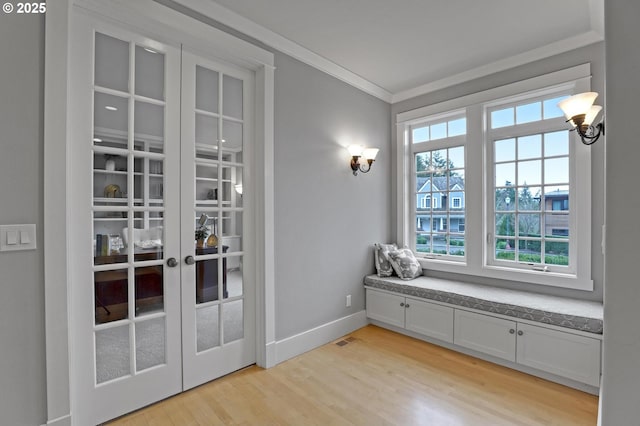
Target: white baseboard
(60,421)
(303,342)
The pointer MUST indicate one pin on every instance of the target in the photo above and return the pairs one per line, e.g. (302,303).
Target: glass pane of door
(128,209)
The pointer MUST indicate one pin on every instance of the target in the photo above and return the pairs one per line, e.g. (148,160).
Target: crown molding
(221,14)
(552,49)
(233,20)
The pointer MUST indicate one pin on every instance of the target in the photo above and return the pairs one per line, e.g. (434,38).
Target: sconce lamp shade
(592,114)
(238,188)
(581,112)
(370,153)
(577,104)
(355,150)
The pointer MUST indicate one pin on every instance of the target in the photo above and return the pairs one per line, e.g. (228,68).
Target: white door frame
(166,25)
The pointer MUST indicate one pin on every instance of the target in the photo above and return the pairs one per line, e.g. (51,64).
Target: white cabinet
(564,354)
(385,307)
(490,335)
(429,319)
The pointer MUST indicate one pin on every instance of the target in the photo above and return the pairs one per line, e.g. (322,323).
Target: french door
(159,154)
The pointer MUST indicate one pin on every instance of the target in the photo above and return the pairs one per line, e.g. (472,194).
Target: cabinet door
(429,319)
(385,307)
(564,354)
(483,333)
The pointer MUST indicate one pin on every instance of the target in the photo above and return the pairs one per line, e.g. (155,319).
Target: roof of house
(440,182)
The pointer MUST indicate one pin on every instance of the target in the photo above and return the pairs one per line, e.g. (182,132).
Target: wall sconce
(357,152)
(238,188)
(581,112)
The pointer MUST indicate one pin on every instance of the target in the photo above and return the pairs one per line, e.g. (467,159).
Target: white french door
(159,149)
(218,306)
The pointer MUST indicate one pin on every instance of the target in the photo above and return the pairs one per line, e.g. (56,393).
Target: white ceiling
(407,47)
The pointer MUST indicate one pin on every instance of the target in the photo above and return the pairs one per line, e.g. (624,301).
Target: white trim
(545,80)
(536,54)
(227,17)
(56,260)
(318,336)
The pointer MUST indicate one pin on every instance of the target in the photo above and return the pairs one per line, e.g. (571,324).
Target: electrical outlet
(348,300)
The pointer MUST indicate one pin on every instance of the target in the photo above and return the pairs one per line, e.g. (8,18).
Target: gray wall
(326,219)
(22,341)
(593,54)
(620,401)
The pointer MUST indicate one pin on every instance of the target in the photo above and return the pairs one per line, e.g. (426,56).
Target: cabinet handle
(172,262)
(189,260)
(402,304)
(520,332)
(406,305)
(511,331)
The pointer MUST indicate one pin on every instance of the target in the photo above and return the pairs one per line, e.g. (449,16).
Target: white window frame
(453,202)
(476,232)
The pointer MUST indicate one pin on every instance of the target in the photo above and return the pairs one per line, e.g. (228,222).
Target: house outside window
(520,194)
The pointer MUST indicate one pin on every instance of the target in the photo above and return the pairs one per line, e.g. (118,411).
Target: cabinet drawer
(385,307)
(482,333)
(564,354)
(429,319)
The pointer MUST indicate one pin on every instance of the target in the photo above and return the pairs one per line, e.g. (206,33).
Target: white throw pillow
(383,266)
(405,264)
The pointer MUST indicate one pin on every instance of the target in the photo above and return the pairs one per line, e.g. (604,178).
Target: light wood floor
(377,378)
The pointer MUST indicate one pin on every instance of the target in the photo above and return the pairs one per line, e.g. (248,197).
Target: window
(530,179)
(505,162)
(439,159)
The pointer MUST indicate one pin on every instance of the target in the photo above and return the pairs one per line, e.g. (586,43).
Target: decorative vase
(200,243)
(212,241)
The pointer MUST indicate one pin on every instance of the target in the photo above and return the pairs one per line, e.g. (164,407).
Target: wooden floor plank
(377,378)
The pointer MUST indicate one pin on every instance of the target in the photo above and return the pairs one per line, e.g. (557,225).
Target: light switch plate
(26,233)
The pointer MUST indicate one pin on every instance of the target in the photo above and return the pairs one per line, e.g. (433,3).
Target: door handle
(189,260)
(172,262)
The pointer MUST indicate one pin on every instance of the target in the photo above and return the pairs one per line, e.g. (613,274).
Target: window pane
(420,134)
(556,224)
(529,198)
(456,157)
(505,224)
(505,150)
(529,225)
(111,63)
(502,118)
(458,127)
(438,131)
(423,243)
(529,173)
(505,250)
(556,143)
(439,162)
(530,147)
(505,174)
(556,252)
(505,199)
(529,251)
(551,109)
(556,170)
(528,113)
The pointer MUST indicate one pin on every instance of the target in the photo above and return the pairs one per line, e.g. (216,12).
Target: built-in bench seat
(580,315)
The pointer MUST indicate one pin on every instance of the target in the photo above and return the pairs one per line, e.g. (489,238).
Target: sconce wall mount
(359,153)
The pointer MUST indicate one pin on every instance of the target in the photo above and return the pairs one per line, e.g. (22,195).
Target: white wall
(620,404)
(594,55)
(22,341)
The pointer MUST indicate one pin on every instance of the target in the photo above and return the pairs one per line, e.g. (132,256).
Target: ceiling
(400,48)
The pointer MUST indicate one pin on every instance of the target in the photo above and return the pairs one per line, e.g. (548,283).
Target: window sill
(551,279)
